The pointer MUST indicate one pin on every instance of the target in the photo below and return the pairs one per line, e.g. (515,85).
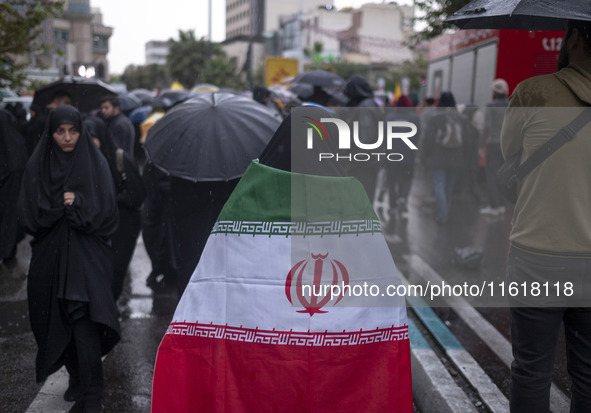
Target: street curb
(433,388)
(50,397)
(559,402)
(488,392)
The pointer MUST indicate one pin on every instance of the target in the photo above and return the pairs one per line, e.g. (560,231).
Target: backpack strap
(119,162)
(564,135)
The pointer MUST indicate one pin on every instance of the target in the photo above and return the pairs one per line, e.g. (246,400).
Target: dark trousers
(444,181)
(195,208)
(494,160)
(123,244)
(399,181)
(83,359)
(158,233)
(534,336)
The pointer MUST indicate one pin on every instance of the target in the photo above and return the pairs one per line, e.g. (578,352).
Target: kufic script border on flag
(290,338)
(287,229)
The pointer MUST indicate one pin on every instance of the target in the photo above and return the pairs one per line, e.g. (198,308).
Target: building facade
(79,44)
(156,52)
(256,17)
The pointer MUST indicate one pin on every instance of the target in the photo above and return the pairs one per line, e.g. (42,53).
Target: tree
(415,70)
(20,25)
(146,77)
(187,58)
(221,72)
(435,12)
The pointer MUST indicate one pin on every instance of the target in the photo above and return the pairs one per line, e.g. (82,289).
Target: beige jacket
(553,212)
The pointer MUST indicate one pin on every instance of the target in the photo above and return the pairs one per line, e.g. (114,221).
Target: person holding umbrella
(67,203)
(205,144)
(551,232)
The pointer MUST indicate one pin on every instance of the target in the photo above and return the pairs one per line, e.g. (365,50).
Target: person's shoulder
(536,91)
(536,82)
(122,118)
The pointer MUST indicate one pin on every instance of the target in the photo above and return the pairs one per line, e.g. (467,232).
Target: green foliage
(221,72)
(146,77)
(188,57)
(258,77)
(415,70)
(20,24)
(346,69)
(435,12)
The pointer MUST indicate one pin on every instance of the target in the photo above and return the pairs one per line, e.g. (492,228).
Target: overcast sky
(136,22)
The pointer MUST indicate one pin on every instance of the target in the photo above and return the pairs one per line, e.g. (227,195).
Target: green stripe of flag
(272,195)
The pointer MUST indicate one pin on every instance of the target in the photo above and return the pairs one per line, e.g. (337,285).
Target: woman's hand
(69,198)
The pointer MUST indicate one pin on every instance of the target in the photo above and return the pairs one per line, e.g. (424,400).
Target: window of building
(61,36)
(100,43)
(76,7)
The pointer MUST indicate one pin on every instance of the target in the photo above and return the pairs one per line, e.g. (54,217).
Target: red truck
(467,61)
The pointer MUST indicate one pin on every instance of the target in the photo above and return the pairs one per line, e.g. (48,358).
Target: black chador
(71,307)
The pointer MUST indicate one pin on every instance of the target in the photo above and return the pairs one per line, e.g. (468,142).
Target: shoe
(155,281)
(500,210)
(73,392)
(92,406)
(87,406)
(488,211)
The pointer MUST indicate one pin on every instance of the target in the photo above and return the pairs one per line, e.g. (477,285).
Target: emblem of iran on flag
(287,309)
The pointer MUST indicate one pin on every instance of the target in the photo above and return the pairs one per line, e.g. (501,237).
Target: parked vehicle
(467,61)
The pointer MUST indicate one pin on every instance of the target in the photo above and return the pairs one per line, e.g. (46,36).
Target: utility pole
(300,37)
(209,31)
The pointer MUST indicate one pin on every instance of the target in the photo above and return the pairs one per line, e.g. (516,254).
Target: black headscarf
(51,172)
(282,153)
(260,93)
(13,152)
(446,100)
(97,128)
(359,92)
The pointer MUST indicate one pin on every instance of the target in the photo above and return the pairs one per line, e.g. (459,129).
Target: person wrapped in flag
(275,317)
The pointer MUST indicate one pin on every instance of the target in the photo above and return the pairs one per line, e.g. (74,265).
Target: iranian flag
(288,309)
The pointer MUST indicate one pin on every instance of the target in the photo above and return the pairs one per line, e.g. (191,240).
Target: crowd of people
(77,187)
(86,196)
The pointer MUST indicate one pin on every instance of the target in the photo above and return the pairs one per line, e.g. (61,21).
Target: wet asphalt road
(145,315)
(128,368)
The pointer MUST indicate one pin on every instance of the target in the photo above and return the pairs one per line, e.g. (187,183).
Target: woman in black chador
(13,158)
(68,204)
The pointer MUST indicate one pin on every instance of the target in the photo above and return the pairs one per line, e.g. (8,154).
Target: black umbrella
(144,95)
(520,14)
(171,97)
(129,101)
(210,137)
(321,78)
(86,93)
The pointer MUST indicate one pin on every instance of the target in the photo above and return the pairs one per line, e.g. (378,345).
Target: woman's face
(66,136)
